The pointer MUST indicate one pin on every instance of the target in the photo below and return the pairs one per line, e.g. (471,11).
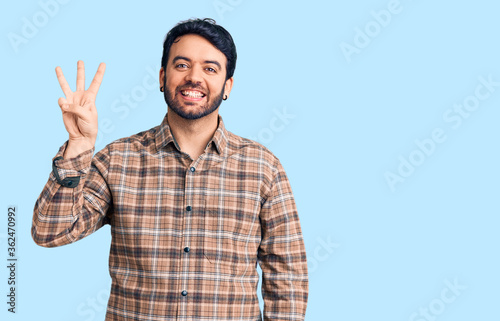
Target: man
(192,207)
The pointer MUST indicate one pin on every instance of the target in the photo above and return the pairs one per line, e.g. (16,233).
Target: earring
(225,97)
(161,88)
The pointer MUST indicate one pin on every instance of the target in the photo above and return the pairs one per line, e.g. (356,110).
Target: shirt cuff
(71,167)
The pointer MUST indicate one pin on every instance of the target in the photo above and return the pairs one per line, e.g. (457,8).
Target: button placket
(187,219)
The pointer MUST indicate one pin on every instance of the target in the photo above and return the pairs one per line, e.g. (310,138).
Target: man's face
(196,77)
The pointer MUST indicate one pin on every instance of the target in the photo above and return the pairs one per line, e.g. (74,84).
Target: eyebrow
(206,61)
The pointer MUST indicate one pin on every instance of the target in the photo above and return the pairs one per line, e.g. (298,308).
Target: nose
(194,74)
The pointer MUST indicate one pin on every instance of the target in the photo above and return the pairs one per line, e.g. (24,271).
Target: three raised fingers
(80,79)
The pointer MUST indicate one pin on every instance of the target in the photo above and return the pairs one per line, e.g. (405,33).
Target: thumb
(63,103)
(78,111)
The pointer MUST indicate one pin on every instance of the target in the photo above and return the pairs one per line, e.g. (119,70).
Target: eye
(210,69)
(181,66)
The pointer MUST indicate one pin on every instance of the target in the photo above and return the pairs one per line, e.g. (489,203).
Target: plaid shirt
(186,235)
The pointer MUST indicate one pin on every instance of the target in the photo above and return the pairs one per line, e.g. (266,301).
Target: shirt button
(188,208)
(184,293)
(186,249)
(192,169)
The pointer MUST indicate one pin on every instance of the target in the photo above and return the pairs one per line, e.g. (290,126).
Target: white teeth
(193,94)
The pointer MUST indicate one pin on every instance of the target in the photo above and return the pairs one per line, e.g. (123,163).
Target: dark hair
(208,29)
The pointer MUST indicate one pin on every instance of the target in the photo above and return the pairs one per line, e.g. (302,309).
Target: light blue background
(390,252)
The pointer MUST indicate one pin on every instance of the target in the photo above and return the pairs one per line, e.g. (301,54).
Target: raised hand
(79,111)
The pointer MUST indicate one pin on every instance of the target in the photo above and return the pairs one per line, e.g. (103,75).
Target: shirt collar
(164,136)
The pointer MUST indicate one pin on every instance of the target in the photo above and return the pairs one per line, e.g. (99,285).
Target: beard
(203,110)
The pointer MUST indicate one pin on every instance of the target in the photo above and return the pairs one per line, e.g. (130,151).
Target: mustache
(191,85)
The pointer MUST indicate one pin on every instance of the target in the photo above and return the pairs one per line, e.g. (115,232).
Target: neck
(192,135)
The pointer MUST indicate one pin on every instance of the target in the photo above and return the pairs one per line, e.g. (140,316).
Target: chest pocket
(230,235)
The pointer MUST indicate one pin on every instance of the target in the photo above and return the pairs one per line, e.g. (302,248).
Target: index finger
(62,82)
(96,82)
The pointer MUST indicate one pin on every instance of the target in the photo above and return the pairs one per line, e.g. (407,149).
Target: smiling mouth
(192,94)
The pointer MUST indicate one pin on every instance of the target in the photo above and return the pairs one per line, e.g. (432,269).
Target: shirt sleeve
(282,255)
(64,214)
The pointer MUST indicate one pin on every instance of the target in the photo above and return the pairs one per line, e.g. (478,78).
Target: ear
(162,75)
(228,86)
